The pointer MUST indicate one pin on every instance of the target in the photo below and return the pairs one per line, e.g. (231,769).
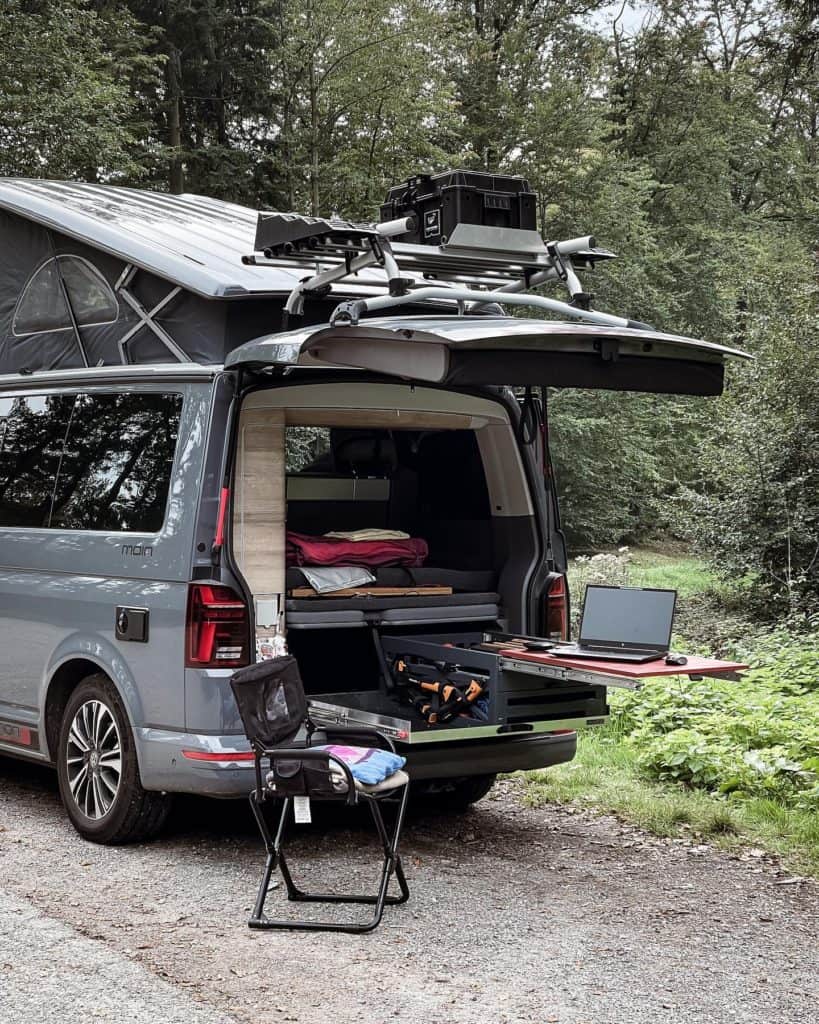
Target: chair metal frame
(352,796)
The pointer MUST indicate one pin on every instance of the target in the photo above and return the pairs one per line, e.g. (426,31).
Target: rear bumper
(177,762)
(220,766)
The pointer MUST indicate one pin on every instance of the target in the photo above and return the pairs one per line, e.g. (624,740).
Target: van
(165,447)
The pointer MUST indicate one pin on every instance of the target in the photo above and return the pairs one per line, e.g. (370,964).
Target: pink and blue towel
(367,764)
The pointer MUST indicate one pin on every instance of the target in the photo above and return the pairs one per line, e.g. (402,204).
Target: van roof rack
(480,267)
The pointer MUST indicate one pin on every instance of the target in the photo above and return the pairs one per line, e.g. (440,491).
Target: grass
(683,573)
(606,774)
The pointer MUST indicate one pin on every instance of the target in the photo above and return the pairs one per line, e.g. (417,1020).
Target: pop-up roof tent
(97,275)
(148,277)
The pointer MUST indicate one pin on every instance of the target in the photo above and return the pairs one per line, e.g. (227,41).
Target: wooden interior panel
(260,508)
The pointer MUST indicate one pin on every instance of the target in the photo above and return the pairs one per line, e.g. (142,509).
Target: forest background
(684,136)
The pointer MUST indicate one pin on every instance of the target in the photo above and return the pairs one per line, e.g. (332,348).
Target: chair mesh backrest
(271,700)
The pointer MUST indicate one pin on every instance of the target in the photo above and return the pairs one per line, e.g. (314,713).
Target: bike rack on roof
(479,267)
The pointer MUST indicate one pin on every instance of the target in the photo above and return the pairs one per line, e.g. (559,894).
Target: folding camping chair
(273,707)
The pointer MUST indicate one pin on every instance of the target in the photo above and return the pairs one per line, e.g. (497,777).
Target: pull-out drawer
(518,698)
(523,691)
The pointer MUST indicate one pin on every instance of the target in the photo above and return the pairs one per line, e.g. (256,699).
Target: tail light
(557,609)
(217,628)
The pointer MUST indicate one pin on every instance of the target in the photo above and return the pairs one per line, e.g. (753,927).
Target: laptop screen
(628,617)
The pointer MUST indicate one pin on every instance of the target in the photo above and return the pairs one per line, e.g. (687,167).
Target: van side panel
(147,675)
(210,705)
(60,590)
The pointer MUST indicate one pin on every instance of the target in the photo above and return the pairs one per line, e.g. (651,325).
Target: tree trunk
(173,78)
(314,145)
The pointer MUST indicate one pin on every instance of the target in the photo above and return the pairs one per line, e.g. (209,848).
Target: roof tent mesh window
(42,307)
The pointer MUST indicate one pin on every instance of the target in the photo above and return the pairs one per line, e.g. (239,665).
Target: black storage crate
(442,201)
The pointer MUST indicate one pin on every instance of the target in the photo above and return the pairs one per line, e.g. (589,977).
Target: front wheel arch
(65,679)
(67,669)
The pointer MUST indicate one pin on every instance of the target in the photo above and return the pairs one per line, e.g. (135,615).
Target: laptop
(623,624)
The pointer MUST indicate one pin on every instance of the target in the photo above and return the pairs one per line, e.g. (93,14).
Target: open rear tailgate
(502,351)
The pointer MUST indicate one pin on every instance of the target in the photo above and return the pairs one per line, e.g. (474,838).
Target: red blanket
(305,550)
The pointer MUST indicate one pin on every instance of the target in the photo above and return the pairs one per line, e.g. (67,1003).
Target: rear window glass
(87,462)
(116,465)
(42,305)
(32,431)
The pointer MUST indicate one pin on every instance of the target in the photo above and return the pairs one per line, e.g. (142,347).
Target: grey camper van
(183,381)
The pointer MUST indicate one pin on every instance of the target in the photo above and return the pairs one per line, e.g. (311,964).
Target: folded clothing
(370,765)
(303,549)
(329,579)
(371,534)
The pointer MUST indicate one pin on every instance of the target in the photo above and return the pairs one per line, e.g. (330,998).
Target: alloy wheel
(94,759)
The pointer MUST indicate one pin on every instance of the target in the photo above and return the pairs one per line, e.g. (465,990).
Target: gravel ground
(516,915)
(51,974)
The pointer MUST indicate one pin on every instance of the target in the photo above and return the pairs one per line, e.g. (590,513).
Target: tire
(454,795)
(98,772)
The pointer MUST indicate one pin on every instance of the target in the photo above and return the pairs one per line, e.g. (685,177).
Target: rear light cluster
(557,609)
(217,628)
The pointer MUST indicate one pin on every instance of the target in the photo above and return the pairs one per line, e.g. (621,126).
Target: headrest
(374,455)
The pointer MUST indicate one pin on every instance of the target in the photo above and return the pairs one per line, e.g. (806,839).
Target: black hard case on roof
(441,201)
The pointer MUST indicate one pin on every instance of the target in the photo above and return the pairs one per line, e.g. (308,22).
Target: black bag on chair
(271,700)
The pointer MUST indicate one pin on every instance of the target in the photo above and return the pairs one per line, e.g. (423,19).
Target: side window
(116,468)
(307,449)
(32,432)
(42,306)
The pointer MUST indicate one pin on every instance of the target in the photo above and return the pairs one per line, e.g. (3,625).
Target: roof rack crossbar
(500,263)
(376,252)
(350,312)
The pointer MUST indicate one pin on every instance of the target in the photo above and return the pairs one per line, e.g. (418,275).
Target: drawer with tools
(436,688)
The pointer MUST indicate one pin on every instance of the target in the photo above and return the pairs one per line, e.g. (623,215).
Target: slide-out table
(605,672)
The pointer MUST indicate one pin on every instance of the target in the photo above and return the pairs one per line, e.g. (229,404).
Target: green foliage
(679,571)
(688,144)
(303,445)
(734,761)
(314,105)
(702,621)
(209,112)
(755,738)
(617,457)
(364,100)
(757,513)
(66,107)
(606,775)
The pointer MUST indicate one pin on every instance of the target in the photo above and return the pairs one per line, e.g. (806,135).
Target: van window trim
(51,530)
(55,530)
(28,387)
(70,327)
